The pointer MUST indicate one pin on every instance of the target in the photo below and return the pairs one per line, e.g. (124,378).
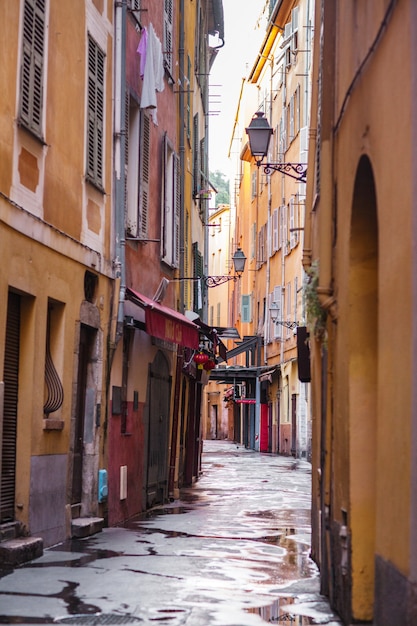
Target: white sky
(233,62)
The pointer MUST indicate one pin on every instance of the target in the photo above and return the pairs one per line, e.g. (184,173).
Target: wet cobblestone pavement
(233,551)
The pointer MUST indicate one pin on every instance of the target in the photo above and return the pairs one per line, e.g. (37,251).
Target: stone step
(20,550)
(9,530)
(86,526)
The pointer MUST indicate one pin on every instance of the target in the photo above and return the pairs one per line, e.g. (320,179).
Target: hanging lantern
(200,358)
(209,365)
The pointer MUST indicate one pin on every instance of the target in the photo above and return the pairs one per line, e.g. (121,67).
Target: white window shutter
(275,230)
(277,299)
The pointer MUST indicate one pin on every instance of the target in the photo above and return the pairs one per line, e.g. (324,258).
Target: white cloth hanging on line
(152,64)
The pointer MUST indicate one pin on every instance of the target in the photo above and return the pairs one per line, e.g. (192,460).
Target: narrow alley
(233,551)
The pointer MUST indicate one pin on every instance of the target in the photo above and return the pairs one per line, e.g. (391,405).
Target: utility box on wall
(102,485)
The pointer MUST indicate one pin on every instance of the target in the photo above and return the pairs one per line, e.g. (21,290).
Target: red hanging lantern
(200,358)
(209,365)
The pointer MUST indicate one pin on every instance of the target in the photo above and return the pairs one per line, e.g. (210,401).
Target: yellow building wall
(54,227)
(370,375)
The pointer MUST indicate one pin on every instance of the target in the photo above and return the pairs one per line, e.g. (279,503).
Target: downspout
(119,155)
(182,155)
(322,110)
(206,202)
(268,238)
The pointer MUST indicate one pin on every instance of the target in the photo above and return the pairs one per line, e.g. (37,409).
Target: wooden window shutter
(198,270)
(277,299)
(275,230)
(293,233)
(177,208)
(168,23)
(246,308)
(196,155)
(95,100)
(31,81)
(144,176)
(126,171)
(285,246)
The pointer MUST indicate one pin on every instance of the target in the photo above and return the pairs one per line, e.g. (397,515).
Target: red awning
(165,323)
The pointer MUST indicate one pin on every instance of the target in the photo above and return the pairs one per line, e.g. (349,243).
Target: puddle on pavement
(284,611)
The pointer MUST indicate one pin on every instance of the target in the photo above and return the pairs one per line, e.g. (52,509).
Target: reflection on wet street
(233,551)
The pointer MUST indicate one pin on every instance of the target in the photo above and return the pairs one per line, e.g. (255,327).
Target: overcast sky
(234,60)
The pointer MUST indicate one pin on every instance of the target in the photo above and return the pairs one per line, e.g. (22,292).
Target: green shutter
(95,121)
(31,78)
(245,309)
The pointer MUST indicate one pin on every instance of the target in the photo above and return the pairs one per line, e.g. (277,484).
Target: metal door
(159,403)
(11,388)
(87,339)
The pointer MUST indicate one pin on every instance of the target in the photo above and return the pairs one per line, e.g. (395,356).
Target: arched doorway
(363,359)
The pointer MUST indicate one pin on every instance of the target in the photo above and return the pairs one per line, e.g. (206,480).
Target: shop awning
(165,323)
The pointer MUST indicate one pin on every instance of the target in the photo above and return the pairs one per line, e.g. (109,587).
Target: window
(293,207)
(132,165)
(275,231)
(170,218)
(31,75)
(294,28)
(95,116)
(288,302)
(246,312)
(283,132)
(168,21)
(253,241)
(203,169)
(277,300)
(284,231)
(253,180)
(291,119)
(145,137)
(187,84)
(196,154)
(198,270)
(262,244)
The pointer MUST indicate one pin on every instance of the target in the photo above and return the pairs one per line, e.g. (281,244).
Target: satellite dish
(161,291)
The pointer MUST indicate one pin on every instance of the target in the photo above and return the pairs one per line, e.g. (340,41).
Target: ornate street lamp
(260,133)
(273,312)
(239,261)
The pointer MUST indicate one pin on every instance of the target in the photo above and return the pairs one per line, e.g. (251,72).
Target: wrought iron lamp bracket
(213,281)
(298,171)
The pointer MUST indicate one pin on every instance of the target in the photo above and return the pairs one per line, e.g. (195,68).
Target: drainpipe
(326,192)
(268,232)
(182,154)
(119,155)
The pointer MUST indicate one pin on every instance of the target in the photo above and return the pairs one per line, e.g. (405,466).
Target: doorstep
(86,526)
(20,550)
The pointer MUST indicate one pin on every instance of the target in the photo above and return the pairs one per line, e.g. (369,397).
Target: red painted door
(263,445)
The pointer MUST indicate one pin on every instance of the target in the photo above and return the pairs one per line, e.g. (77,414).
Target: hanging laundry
(142,50)
(152,62)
